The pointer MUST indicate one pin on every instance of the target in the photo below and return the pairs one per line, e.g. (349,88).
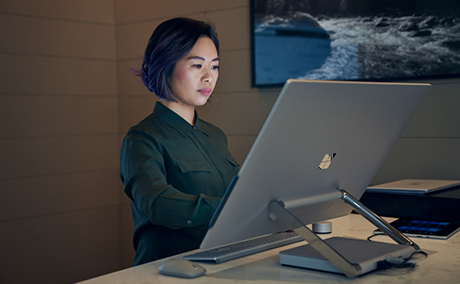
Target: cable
(371,236)
(397,263)
(400,264)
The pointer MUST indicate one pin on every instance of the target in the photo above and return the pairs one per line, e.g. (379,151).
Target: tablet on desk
(425,228)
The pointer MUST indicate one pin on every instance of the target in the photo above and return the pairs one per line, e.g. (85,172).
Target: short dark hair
(170,42)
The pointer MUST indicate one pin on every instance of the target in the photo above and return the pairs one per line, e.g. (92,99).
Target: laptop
(321,137)
(414,186)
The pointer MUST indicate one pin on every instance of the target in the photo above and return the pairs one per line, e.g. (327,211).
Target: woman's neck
(186,112)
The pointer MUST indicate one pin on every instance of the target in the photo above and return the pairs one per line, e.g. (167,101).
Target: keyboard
(244,248)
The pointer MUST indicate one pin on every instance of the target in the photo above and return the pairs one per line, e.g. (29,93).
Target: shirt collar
(176,121)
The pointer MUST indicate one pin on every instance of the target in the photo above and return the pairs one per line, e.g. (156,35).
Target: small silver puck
(322,227)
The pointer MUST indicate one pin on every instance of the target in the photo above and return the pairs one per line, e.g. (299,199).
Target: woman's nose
(207,76)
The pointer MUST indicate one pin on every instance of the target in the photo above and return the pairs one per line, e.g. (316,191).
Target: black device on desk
(426,208)
(443,205)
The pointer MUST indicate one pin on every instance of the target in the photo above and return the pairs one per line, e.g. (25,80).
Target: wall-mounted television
(386,40)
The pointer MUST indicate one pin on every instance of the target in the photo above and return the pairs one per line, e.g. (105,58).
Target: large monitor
(321,137)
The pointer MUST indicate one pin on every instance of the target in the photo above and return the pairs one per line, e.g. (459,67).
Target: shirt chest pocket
(189,167)
(232,161)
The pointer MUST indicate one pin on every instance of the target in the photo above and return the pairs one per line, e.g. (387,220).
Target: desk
(441,266)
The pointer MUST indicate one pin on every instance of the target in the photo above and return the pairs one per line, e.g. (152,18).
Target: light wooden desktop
(441,265)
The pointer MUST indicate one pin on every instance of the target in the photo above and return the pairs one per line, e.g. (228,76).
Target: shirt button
(189,222)
(194,127)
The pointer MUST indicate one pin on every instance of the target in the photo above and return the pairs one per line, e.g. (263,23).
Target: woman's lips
(205,91)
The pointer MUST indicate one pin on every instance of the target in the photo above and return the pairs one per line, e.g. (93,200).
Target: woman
(176,167)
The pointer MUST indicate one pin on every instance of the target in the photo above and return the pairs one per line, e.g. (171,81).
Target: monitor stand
(278,211)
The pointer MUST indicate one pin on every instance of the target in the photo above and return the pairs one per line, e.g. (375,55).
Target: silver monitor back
(320,136)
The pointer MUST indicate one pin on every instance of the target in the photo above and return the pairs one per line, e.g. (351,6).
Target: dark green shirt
(175,175)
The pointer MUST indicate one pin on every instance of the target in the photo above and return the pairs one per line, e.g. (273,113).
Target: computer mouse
(182,268)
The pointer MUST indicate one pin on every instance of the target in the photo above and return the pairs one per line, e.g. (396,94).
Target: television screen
(364,40)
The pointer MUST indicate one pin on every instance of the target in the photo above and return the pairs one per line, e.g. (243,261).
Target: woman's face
(195,75)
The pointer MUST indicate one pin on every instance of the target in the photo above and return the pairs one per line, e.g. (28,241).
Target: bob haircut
(170,42)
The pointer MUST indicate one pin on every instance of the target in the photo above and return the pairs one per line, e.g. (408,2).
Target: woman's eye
(197,65)
(215,67)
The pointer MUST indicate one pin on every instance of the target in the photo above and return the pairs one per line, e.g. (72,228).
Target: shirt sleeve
(143,173)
